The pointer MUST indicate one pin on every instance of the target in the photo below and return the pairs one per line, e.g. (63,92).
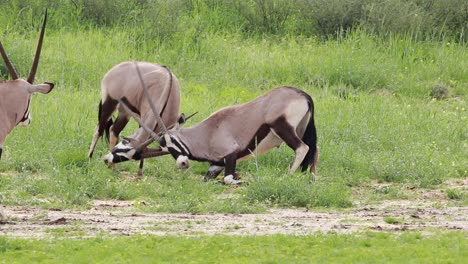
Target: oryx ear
(44,88)
(180,121)
(162,142)
(183,119)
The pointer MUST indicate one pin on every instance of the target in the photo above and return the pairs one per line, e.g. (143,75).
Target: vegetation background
(389,78)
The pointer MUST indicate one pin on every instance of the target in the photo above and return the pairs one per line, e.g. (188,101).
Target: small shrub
(391,220)
(455,194)
(440,91)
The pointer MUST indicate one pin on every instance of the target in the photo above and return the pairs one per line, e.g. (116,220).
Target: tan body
(122,83)
(285,114)
(233,133)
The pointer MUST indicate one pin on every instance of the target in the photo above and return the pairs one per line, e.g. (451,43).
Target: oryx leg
(1,150)
(116,128)
(107,108)
(230,170)
(140,168)
(213,172)
(288,134)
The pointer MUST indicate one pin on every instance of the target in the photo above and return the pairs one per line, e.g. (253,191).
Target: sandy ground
(428,213)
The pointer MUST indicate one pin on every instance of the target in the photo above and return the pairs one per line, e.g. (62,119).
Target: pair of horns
(32,72)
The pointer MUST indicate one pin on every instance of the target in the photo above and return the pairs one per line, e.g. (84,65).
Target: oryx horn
(32,73)
(7,61)
(150,102)
(137,118)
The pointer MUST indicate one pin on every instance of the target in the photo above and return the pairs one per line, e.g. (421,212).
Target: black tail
(310,139)
(109,123)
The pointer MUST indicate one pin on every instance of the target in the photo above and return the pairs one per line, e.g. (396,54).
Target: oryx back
(252,128)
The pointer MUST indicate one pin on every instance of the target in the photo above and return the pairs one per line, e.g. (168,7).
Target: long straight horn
(154,136)
(7,61)
(32,73)
(137,118)
(153,107)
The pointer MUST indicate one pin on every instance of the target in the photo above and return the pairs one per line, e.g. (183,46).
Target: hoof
(229,180)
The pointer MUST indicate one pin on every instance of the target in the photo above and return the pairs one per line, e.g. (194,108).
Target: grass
(375,116)
(411,146)
(389,110)
(365,248)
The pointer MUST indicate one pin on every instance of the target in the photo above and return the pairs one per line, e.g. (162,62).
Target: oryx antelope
(15,94)
(285,114)
(122,83)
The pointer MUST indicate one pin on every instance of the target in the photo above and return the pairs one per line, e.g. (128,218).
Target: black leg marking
(230,170)
(230,162)
(105,114)
(107,108)
(140,168)
(213,172)
(119,124)
(287,133)
(1,150)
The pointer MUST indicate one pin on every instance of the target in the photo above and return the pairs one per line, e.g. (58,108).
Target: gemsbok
(16,94)
(121,83)
(233,133)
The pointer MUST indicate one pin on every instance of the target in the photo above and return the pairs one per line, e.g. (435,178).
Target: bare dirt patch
(428,212)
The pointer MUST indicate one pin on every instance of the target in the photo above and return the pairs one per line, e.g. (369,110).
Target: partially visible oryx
(15,94)
(285,114)
(121,83)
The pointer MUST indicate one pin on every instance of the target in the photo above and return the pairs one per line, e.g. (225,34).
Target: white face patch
(108,158)
(183,162)
(119,153)
(122,146)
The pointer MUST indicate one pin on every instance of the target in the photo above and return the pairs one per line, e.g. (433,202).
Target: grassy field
(390,110)
(364,248)
(375,118)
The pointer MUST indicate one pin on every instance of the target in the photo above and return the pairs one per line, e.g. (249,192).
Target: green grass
(375,116)
(365,248)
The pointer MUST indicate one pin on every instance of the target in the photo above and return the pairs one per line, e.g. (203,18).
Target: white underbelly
(269,142)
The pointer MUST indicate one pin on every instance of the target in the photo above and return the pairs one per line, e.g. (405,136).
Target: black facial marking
(180,145)
(118,159)
(174,153)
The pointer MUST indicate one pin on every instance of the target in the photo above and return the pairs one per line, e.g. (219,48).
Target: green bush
(158,20)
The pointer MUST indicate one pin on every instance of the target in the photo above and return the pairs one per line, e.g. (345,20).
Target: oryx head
(15,94)
(134,149)
(23,89)
(171,143)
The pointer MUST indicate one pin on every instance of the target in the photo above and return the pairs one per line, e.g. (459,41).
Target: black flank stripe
(132,107)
